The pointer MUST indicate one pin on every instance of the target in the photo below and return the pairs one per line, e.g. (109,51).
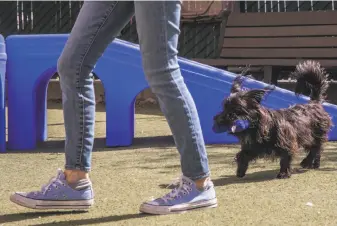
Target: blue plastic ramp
(32,61)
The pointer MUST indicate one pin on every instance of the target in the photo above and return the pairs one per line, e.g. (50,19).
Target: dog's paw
(283,175)
(305,164)
(316,165)
(240,175)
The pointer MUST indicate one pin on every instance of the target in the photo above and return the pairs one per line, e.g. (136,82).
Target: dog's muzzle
(237,126)
(219,128)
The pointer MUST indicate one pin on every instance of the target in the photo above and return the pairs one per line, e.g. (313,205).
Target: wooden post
(275,74)
(224,17)
(267,74)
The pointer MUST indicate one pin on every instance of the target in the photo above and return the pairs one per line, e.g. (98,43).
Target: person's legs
(158,31)
(97,24)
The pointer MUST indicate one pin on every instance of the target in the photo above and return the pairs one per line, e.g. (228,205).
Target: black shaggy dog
(280,133)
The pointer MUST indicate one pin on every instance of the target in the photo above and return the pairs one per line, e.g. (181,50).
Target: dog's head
(240,105)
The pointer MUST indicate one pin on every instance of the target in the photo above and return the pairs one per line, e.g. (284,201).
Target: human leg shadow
(56,146)
(99,143)
(95,221)
(8,218)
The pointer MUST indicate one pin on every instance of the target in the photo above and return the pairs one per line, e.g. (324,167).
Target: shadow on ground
(56,146)
(254,177)
(10,218)
(143,108)
(15,217)
(260,176)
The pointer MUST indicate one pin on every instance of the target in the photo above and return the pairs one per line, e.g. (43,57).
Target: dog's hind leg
(285,164)
(313,159)
(307,161)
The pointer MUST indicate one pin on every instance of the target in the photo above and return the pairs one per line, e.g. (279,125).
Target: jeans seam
(79,69)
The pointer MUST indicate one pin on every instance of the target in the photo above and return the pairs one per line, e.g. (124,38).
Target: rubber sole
(42,204)
(161,210)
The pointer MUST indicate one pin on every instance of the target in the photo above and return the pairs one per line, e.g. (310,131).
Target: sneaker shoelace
(175,183)
(184,188)
(51,183)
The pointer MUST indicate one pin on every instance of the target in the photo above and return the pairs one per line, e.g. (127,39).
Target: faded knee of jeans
(72,70)
(66,68)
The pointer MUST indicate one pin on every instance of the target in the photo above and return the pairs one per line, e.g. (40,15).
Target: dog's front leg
(242,159)
(285,163)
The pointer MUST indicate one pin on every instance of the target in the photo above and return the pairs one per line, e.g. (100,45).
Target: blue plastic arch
(3,60)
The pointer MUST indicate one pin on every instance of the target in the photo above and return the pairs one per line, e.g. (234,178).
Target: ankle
(73,176)
(201,183)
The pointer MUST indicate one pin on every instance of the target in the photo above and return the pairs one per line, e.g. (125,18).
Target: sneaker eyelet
(49,189)
(190,183)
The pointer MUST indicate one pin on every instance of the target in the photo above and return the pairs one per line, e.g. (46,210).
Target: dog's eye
(239,111)
(231,115)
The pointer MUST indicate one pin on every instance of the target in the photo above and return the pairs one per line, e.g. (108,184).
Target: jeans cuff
(82,168)
(200,176)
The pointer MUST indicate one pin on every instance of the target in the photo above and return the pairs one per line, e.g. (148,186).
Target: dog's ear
(255,94)
(237,82)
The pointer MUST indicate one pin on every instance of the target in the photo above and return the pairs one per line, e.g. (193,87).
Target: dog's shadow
(260,176)
(253,177)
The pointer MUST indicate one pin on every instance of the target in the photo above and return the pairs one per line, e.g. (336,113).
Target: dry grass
(125,177)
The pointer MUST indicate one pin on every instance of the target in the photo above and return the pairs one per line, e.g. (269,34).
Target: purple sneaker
(57,194)
(183,198)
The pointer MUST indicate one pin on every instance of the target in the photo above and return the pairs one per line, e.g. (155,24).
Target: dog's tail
(311,79)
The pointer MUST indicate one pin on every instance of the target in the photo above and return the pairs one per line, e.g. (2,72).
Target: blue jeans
(97,25)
